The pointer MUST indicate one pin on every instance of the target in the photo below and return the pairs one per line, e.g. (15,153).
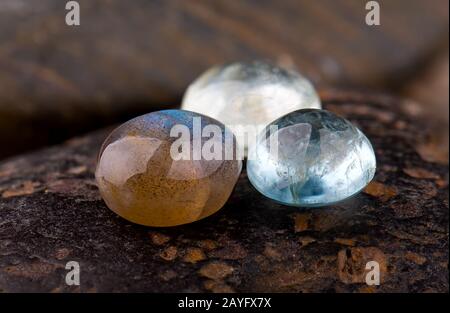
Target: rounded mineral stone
(159,170)
(249,94)
(311,158)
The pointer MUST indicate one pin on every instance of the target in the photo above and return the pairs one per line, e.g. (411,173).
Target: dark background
(131,57)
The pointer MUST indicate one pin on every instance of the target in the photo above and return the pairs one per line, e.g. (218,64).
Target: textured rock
(43,230)
(352,264)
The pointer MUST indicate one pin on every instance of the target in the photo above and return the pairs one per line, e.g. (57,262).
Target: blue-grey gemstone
(310,158)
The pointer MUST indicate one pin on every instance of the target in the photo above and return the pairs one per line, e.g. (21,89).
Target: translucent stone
(249,94)
(140,179)
(311,158)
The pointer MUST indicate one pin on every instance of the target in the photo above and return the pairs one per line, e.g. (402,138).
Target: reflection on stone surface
(320,159)
(253,93)
(140,181)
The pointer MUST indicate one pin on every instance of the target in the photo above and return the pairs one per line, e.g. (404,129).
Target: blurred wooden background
(131,57)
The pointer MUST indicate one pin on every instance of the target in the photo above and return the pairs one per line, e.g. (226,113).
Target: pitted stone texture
(313,158)
(141,181)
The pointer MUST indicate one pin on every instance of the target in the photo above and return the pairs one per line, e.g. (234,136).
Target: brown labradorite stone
(168,168)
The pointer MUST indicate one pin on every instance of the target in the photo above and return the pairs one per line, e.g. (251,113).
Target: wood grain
(128,58)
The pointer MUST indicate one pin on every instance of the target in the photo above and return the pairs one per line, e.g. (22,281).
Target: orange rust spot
(26,188)
(380,190)
(193,255)
(169,254)
(216,270)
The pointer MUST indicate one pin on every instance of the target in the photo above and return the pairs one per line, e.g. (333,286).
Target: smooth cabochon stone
(150,177)
(249,94)
(311,158)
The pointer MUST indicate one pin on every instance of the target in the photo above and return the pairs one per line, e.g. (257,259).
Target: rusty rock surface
(51,213)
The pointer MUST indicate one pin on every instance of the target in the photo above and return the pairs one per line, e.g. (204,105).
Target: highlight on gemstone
(250,95)
(315,158)
(155,170)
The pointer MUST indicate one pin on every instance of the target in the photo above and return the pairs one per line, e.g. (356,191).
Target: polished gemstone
(151,172)
(311,158)
(249,94)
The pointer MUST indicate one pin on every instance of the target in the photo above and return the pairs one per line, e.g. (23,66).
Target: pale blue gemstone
(310,158)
